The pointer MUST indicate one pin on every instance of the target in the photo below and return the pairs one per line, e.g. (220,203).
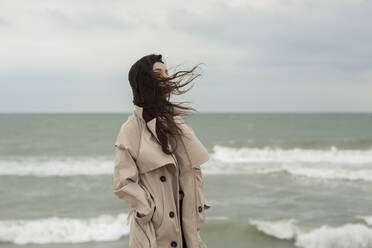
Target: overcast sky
(260,56)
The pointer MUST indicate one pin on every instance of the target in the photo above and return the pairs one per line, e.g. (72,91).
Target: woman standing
(157,162)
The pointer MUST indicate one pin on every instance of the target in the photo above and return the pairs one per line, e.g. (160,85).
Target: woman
(157,162)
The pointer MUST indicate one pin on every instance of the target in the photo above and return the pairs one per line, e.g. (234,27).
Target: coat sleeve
(125,186)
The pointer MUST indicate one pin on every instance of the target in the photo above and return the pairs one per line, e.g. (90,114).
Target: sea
(280,180)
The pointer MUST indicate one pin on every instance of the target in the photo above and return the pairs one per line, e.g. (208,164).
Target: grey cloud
(3,22)
(87,20)
(337,38)
(291,59)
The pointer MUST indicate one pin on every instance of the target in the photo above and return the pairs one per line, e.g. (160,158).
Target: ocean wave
(331,164)
(367,219)
(298,170)
(329,173)
(64,230)
(346,236)
(270,155)
(55,166)
(281,229)
(69,230)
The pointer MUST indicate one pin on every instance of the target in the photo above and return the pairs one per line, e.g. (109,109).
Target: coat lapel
(189,149)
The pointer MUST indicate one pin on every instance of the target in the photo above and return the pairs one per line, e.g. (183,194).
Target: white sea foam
(67,230)
(346,236)
(329,173)
(55,166)
(281,229)
(269,155)
(367,219)
(325,164)
(64,230)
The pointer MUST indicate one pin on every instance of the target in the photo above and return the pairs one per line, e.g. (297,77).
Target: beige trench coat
(147,179)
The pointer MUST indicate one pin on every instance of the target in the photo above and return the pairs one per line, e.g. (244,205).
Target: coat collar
(138,111)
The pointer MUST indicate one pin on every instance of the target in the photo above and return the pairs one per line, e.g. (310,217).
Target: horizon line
(208,112)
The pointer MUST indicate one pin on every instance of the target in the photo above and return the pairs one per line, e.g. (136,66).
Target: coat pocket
(138,237)
(201,203)
(158,216)
(148,215)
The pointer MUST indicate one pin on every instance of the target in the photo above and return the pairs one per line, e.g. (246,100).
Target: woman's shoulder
(129,135)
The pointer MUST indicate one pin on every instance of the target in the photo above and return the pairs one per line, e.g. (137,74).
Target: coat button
(162,178)
(200,208)
(173,243)
(171,214)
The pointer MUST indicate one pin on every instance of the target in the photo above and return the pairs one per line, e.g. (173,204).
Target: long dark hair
(150,89)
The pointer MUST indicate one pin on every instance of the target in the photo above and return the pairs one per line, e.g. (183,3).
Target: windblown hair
(150,89)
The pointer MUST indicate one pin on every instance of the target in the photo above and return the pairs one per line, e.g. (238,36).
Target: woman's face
(160,67)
